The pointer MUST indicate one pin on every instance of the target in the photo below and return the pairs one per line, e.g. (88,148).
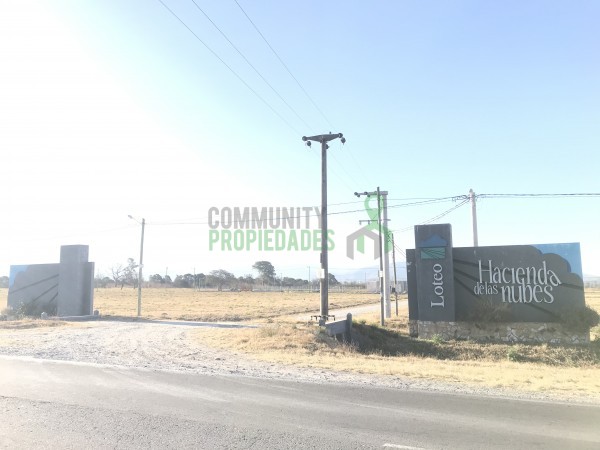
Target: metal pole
(381,287)
(309,286)
(474,215)
(139,310)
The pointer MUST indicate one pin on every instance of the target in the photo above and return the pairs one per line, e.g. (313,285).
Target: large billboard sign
(533,283)
(519,283)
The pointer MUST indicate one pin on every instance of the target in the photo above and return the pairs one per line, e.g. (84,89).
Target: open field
(210,306)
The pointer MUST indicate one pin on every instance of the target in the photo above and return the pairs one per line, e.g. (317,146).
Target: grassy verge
(384,351)
(568,371)
(23,324)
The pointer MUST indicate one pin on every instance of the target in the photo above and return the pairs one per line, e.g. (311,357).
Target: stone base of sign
(413,328)
(513,332)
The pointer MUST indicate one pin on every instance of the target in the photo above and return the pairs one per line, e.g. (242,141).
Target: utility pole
(324,285)
(139,305)
(472,197)
(395,279)
(386,262)
(381,281)
(383,253)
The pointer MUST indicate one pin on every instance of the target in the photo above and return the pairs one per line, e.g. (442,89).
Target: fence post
(348,333)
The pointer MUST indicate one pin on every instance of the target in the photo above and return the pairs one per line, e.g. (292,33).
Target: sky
(145,108)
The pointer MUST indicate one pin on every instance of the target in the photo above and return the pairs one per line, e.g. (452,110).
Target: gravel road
(167,346)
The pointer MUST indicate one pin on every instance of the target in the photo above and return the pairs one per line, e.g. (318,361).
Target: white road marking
(405,447)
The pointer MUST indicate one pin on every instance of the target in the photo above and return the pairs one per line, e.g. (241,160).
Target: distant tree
(300,282)
(221,278)
(125,275)
(332,280)
(156,278)
(4,281)
(248,279)
(130,273)
(288,282)
(180,282)
(246,282)
(101,281)
(118,275)
(199,280)
(168,279)
(184,281)
(265,270)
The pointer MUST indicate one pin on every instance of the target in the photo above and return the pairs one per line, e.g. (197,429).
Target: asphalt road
(46,404)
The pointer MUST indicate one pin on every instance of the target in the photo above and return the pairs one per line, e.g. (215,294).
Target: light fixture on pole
(324,286)
(143,224)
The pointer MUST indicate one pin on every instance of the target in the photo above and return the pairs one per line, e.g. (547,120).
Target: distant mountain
(371,273)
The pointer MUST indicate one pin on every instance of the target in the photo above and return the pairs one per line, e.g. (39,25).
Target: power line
(418,202)
(422,202)
(349,151)
(439,216)
(250,64)
(284,65)
(538,195)
(230,69)
(294,111)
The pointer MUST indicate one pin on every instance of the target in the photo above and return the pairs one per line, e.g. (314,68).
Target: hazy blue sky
(110,108)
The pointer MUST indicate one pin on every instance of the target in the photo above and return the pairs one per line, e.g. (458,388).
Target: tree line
(127,275)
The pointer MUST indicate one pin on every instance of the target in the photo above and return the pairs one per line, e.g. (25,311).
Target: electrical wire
(439,216)
(418,202)
(230,69)
(537,195)
(283,64)
(250,64)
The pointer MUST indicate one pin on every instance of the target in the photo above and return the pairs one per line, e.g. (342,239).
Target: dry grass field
(210,306)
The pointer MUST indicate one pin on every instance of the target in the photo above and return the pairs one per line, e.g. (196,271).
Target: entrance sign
(435,273)
(64,289)
(533,283)
(520,283)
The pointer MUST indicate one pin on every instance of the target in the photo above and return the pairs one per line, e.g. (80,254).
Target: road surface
(62,404)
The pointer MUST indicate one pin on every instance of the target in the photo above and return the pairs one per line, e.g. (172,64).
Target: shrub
(488,311)
(580,319)
(513,354)
(33,309)
(437,339)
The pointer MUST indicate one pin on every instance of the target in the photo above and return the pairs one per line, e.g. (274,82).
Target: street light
(143,224)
